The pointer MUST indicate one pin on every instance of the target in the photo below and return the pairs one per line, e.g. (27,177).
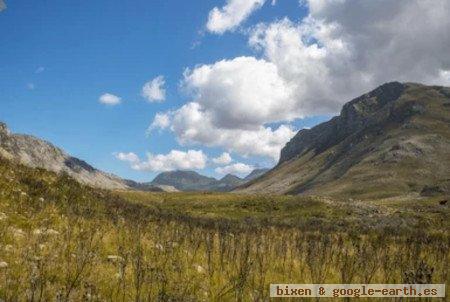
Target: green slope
(392,141)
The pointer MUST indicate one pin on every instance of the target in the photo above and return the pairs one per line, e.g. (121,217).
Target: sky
(139,87)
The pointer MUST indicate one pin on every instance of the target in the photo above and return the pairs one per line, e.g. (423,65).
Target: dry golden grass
(60,241)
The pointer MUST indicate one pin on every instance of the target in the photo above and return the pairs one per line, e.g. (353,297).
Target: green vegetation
(305,213)
(62,241)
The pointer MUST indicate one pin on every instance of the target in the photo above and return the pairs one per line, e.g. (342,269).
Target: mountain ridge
(375,146)
(38,153)
(186,180)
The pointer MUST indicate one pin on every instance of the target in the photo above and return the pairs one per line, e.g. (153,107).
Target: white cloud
(223,159)
(342,49)
(154,90)
(31,86)
(40,69)
(161,121)
(231,15)
(174,160)
(237,168)
(347,47)
(242,93)
(233,102)
(128,157)
(2,5)
(109,99)
(192,124)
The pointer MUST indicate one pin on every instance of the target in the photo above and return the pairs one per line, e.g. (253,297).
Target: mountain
(255,174)
(391,141)
(227,183)
(184,180)
(36,153)
(193,181)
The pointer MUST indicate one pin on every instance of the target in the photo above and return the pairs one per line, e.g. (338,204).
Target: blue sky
(58,57)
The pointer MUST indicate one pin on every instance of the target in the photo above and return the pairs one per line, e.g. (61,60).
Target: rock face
(37,153)
(390,141)
(355,116)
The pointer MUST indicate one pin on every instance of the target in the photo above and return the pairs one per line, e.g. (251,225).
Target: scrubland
(61,241)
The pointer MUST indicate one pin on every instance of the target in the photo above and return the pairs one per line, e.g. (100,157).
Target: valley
(65,236)
(62,240)
(225,151)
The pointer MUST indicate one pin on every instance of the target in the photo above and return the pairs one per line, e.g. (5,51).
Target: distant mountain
(37,153)
(193,181)
(227,183)
(184,180)
(391,141)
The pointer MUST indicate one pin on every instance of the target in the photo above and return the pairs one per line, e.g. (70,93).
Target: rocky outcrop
(355,116)
(37,153)
(393,140)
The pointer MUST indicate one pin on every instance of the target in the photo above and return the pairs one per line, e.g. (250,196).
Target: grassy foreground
(61,241)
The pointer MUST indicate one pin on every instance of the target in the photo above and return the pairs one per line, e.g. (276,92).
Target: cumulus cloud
(109,99)
(342,49)
(31,86)
(161,121)
(154,90)
(237,168)
(2,5)
(223,159)
(347,47)
(242,93)
(233,102)
(174,160)
(193,124)
(128,157)
(231,15)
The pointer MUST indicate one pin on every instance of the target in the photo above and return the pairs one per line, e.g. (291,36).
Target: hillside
(37,153)
(60,238)
(255,174)
(391,141)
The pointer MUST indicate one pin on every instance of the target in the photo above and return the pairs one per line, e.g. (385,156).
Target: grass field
(61,241)
(307,213)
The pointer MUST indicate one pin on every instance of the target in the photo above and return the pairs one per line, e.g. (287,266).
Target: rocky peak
(230,177)
(355,116)
(390,141)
